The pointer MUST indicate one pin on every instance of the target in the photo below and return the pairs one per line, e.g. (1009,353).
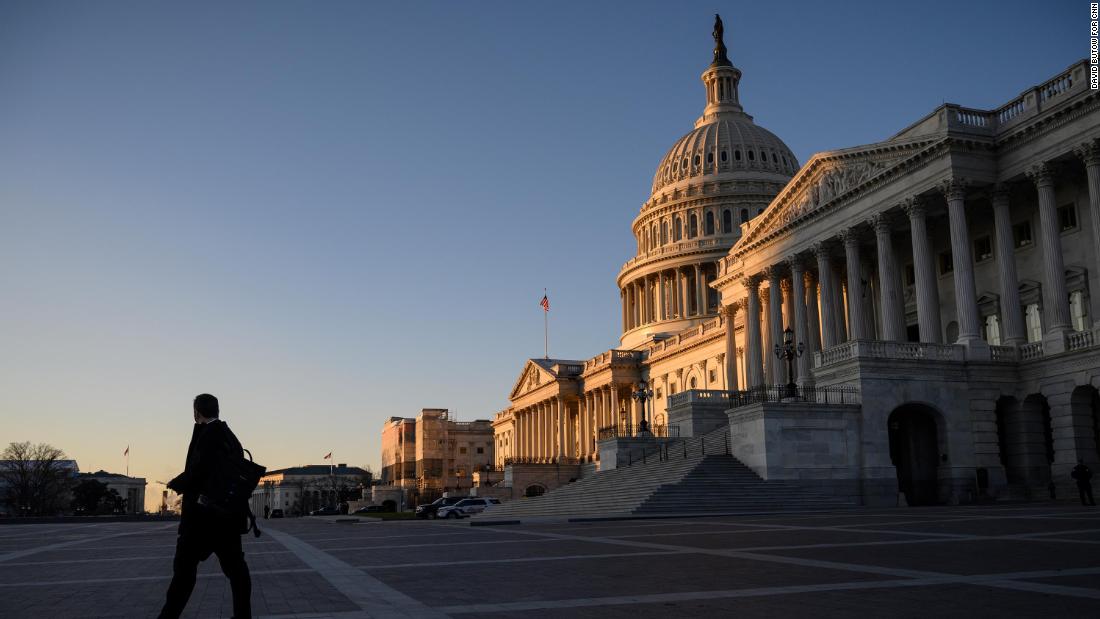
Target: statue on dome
(719,46)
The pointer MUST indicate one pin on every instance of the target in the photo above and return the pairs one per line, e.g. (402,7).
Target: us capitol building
(931,291)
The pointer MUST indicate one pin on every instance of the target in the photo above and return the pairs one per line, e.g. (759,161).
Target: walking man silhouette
(202,531)
(1083,476)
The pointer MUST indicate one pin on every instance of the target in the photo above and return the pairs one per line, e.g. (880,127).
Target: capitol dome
(729,143)
(712,181)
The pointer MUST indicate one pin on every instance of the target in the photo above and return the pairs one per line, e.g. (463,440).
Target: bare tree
(35,479)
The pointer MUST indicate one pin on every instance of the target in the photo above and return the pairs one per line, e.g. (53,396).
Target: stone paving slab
(1013,560)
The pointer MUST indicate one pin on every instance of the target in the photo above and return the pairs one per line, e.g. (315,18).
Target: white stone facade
(939,282)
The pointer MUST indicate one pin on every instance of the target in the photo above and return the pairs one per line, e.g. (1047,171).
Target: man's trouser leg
(231,558)
(184,566)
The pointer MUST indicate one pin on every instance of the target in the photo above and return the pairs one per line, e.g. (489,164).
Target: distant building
(301,489)
(131,489)
(433,452)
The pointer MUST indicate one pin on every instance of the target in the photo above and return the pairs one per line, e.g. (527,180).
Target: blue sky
(331,213)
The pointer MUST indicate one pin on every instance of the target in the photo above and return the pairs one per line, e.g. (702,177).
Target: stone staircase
(684,476)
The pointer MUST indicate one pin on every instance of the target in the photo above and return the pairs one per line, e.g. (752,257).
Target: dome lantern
(721,79)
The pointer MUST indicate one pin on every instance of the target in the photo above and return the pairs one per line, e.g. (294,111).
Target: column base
(977,349)
(1054,341)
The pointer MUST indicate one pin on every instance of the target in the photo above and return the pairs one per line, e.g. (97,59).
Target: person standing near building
(1083,476)
(203,531)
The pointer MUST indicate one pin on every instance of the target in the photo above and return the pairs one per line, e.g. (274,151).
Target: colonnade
(833,303)
(567,427)
(675,293)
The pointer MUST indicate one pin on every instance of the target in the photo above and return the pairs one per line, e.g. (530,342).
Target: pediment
(531,378)
(828,179)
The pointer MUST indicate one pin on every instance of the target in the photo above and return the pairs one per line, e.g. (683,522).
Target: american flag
(328,455)
(545,303)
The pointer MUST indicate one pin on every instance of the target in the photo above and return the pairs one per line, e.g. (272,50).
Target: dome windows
(737,154)
(727,221)
(709,226)
(763,156)
(693,226)
(752,156)
(710,157)
(723,156)
(775,159)
(744,215)
(696,161)
(677,230)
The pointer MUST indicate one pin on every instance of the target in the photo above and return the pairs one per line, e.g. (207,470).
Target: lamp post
(789,352)
(642,394)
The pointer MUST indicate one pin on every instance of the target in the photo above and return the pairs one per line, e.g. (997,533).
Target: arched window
(664,232)
(752,157)
(744,215)
(774,158)
(677,229)
(696,161)
(763,156)
(723,156)
(710,157)
(693,383)
(655,237)
(709,223)
(737,154)
(727,221)
(693,226)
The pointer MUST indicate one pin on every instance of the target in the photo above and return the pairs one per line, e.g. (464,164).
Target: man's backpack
(228,491)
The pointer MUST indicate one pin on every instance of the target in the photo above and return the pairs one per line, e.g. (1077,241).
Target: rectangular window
(713,376)
(1067,217)
(946,266)
(461,450)
(1078,310)
(983,248)
(480,450)
(1034,322)
(659,394)
(1021,234)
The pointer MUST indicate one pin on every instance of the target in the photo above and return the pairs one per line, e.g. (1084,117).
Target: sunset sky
(331,213)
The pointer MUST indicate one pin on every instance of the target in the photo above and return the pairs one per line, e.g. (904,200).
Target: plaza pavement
(1012,560)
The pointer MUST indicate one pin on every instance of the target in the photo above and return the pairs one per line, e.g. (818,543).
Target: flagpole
(545,329)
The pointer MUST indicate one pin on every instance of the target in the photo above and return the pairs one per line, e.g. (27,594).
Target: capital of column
(915,207)
(954,188)
(880,222)
(849,236)
(821,249)
(730,309)
(999,194)
(751,282)
(1089,152)
(796,263)
(771,273)
(1042,174)
(785,285)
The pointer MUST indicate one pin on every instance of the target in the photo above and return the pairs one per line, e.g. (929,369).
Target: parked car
(373,509)
(276,513)
(326,511)
(466,508)
(430,510)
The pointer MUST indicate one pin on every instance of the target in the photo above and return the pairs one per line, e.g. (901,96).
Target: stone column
(731,348)
(856,323)
(825,282)
(699,307)
(561,427)
(1089,153)
(798,317)
(887,279)
(1055,296)
(682,291)
(1012,314)
(661,295)
(754,368)
(813,320)
(924,272)
(840,315)
(614,406)
(766,336)
(775,324)
(966,299)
